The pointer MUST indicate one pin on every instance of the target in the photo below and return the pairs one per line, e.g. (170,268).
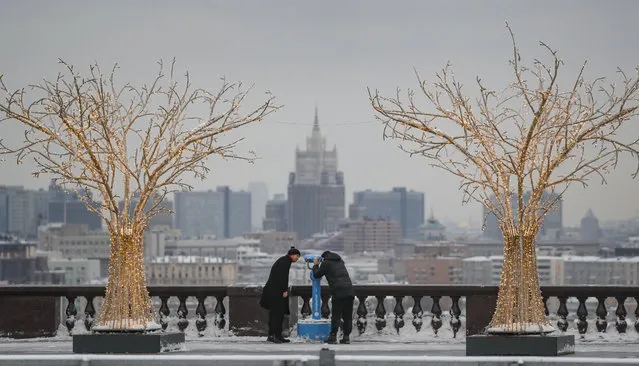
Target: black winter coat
(273,292)
(339,282)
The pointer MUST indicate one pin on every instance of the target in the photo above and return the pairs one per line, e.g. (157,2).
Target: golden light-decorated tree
(124,142)
(516,150)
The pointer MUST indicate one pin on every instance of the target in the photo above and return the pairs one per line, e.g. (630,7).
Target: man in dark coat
(275,295)
(341,288)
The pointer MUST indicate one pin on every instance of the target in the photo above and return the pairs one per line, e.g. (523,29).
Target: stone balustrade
(30,310)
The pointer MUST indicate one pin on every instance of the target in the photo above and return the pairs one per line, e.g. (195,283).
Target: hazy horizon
(327,54)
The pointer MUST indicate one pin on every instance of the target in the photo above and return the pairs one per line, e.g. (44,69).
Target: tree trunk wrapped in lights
(516,152)
(519,304)
(127,304)
(125,143)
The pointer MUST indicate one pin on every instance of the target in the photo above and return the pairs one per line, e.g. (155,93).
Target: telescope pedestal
(316,328)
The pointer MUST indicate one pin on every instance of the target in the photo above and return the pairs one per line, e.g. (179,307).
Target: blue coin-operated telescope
(316,328)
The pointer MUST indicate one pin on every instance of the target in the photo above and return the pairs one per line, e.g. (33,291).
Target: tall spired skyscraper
(316,199)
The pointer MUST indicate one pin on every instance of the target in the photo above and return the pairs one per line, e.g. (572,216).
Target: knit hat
(294,251)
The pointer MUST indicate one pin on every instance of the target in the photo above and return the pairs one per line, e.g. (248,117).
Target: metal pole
(316,298)
(326,357)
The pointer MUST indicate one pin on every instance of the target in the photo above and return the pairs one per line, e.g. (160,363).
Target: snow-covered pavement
(220,347)
(257,345)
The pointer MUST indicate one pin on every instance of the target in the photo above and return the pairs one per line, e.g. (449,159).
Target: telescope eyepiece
(310,258)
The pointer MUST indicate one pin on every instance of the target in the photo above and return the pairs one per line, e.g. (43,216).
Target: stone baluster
(621,313)
(545,301)
(71,312)
(362,313)
(220,312)
(436,310)
(417,313)
(164,312)
(306,306)
(200,312)
(182,312)
(325,309)
(399,313)
(380,313)
(602,313)
(455,312)
(89,313)
(562,313)
(582,315)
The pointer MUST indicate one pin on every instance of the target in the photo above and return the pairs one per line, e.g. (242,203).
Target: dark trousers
(275,320)
(342,309)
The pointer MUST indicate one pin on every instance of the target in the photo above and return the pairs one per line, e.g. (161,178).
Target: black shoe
(345,340)
(285,340)
(332,339)
(273,339)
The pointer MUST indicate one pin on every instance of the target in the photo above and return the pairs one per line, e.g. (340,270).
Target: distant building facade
(399,204)
(67,208)
(222,213)
(274,242)
(441,249)
(434,270)
(22,210)
(77,241)
(218,248)
(78,271)
(200,213)
(591,270)
(370,235)
(237,208)
(590,230)
(259,199)
(276,216)
(433,230)
(21,264)
(316,201)
(190,270)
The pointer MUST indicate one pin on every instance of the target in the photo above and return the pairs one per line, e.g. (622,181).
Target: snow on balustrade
(408,334)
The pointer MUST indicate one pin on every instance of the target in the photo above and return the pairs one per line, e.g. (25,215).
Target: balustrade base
(520,345)
(127,342)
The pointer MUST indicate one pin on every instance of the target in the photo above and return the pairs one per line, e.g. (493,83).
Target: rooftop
(189,259)
(230,242)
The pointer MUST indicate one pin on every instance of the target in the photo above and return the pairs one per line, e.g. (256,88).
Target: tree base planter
(520,345)
(129,342)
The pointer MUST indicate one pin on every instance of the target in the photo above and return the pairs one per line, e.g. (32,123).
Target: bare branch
(125,141)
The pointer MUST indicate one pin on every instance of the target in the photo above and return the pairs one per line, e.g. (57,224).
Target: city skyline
(470,222)
(328,61)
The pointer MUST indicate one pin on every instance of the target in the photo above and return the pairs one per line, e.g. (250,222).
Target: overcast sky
(326,53)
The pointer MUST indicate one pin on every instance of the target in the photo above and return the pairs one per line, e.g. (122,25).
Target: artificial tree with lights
(516,151)
(123,142)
